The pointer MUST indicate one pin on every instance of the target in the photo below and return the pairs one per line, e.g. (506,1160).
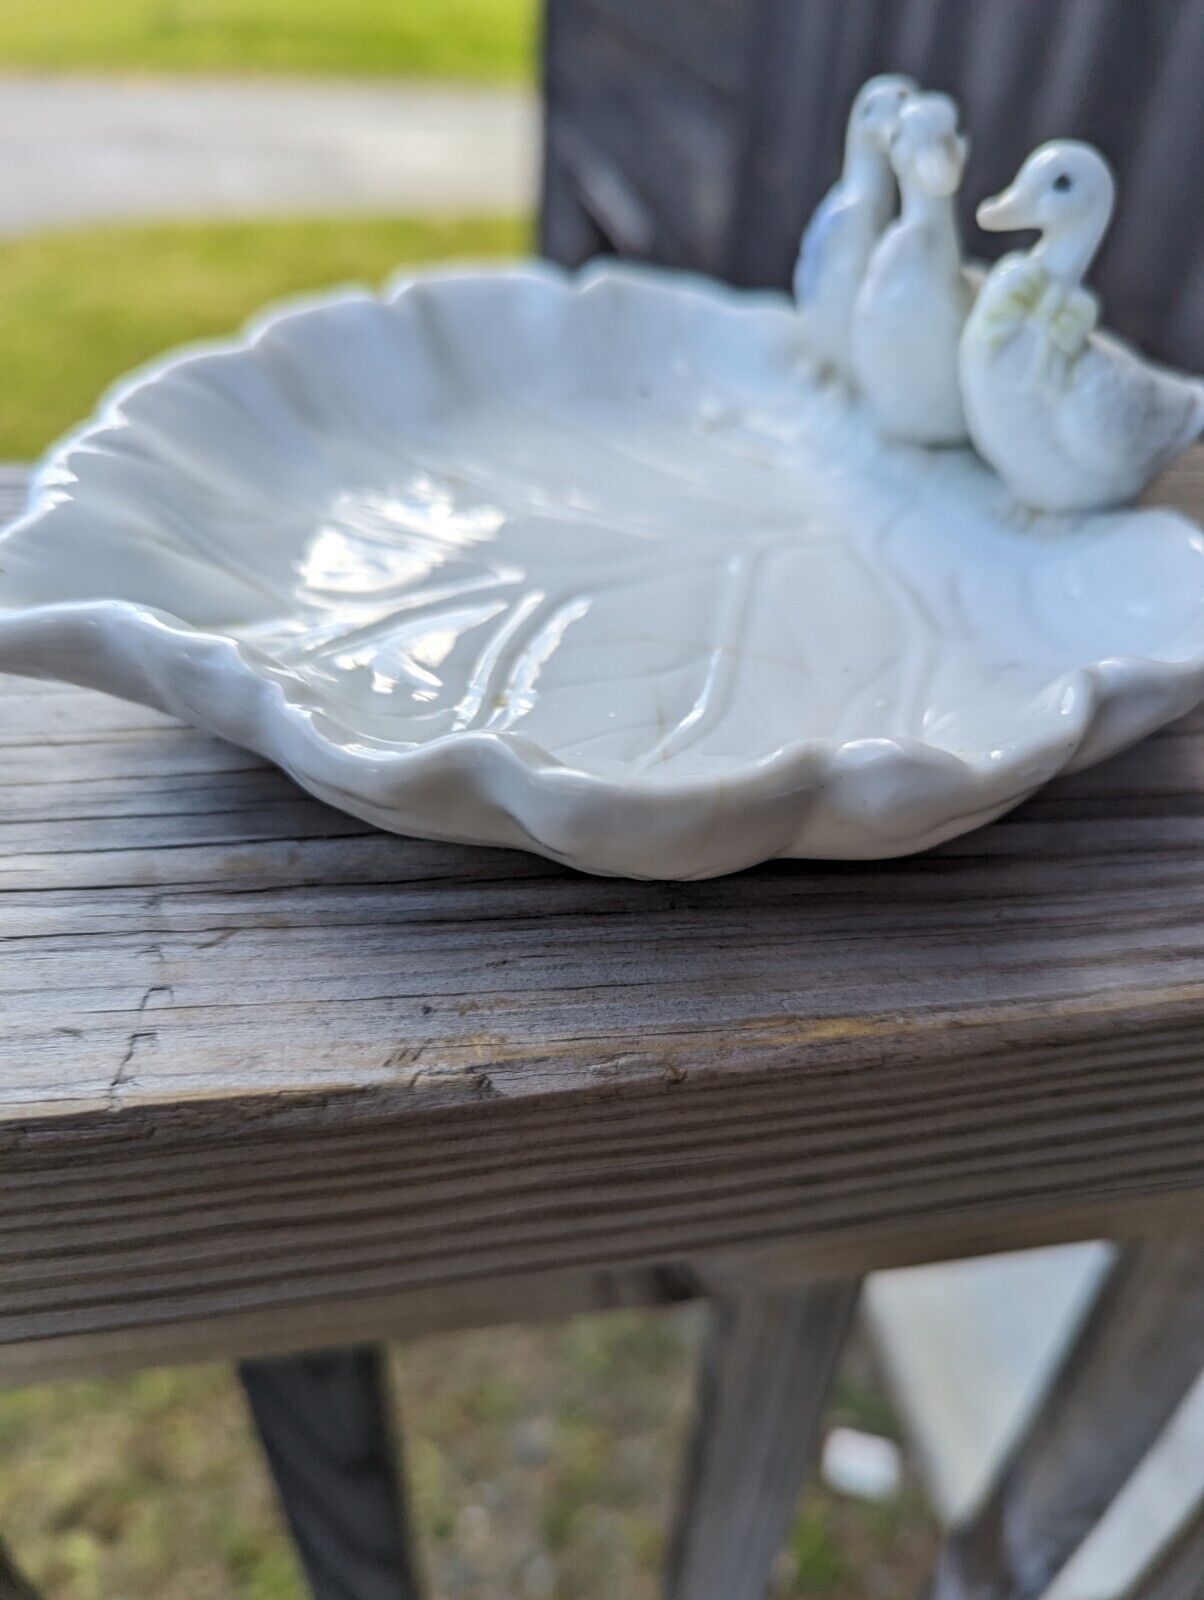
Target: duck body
(836,245)
(832,260)
(914,300)
(1071,418)
(907,326)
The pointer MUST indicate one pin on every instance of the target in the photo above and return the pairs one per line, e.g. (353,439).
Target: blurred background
(541,1463)
(166,168)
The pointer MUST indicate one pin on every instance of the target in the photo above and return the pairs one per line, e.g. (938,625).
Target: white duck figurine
(1071,419)
(914,300)
(845,227)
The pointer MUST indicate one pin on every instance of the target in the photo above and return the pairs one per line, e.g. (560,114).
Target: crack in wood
(139,1039)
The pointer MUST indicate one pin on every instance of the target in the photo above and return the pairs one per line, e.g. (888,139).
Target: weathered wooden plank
(239,1216)
(640,106)
(1139,1351)
(567,231)
(766,1373)
(708,39)
(325,1426)
(1178,1573)
(415,1311)
(35,712)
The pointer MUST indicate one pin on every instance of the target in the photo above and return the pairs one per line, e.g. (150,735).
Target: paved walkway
(82,149)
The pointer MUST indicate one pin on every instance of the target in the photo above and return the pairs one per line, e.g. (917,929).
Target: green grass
(472,39)
(79,309)
(542,1464)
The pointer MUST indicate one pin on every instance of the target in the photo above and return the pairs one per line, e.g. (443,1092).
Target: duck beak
(1005,212)
(882,133)
(939,167)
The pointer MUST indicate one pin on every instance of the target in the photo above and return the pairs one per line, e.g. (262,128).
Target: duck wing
(1123,415)
(833,233)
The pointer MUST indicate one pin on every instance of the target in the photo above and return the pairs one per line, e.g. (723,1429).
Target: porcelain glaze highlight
(591,567)
(1071,419)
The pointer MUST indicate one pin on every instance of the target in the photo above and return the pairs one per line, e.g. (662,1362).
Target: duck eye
(1063,181)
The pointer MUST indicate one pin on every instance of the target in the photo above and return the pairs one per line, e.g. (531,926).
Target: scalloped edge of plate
(857,800)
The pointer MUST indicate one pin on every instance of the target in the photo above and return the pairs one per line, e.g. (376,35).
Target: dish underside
(594,566)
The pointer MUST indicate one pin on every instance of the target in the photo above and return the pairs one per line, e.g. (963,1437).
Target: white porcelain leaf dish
(590,566)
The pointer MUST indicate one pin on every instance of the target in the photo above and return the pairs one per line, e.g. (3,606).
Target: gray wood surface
(1139,1351)
(766,1373)
(1178,1574)
(324,1420)
(257,1057)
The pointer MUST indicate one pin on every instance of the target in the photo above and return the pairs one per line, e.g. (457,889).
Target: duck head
(875,112)
(1065,190)
(927,151)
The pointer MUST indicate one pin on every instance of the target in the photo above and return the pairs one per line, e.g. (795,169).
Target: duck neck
(1067,254)
(934,213)
(868,173)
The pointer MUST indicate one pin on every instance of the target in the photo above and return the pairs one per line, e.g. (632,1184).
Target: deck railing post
(766,1374)
(324,1423)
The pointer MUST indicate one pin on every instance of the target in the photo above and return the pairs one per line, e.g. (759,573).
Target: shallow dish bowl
(595,567)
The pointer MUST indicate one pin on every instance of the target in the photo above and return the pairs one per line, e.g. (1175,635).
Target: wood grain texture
(324,1421)
(766,1373)
(646,129)
(256,1056)
(1139,1351)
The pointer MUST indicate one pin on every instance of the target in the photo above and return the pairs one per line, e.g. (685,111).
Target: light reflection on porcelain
(1071,418)
(592,566)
